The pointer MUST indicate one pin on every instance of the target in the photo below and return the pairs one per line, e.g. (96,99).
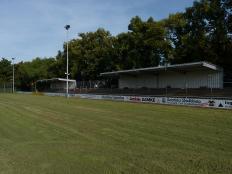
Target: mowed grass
(40,135)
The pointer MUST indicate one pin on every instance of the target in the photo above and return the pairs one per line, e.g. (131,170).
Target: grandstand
(55,85)
(179,76)
(198,79)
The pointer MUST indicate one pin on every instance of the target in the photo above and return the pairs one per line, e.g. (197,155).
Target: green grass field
(40,135)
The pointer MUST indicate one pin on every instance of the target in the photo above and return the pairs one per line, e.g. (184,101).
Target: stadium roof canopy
(186,67)
(56,79)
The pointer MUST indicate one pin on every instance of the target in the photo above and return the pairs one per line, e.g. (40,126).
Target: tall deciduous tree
(202,32)
(27,73)
(144,45)
(5,71)
(91,54)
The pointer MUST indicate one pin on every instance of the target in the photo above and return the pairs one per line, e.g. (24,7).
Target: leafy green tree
(91,54)
(27,73)
(122,46)
(5,72)
(175,26)
(144,45)
(228,7)
(202,33)
(57,68)
(150,45)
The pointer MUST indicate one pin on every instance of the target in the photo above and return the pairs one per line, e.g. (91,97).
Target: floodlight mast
(67,27)
(13,79)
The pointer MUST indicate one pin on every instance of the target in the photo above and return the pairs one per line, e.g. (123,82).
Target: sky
(35,28)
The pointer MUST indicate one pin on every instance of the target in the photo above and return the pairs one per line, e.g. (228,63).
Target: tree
(201,33)
(27,73)
(144,45)
(5,72)
(91,54)
(228,7)
(175,26)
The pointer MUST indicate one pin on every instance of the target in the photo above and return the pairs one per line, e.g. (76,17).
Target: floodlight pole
(186,86)
(13,79)
(67,74)
(166,89)
(210,85)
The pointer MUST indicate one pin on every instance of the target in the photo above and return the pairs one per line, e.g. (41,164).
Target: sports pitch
(40,134)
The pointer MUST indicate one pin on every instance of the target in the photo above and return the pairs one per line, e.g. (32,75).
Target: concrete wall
(195,79)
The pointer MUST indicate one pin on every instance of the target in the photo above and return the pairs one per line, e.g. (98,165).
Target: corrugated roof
(185,66)
(56,79)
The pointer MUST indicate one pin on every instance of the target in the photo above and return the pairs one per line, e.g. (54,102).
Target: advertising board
(200,102)
(210,103)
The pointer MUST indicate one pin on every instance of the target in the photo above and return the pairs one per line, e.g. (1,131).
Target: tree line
(202,32)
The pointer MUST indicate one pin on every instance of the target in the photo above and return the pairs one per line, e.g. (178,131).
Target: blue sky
(35,28)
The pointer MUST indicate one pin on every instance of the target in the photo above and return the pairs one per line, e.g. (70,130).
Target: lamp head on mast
(67,27)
